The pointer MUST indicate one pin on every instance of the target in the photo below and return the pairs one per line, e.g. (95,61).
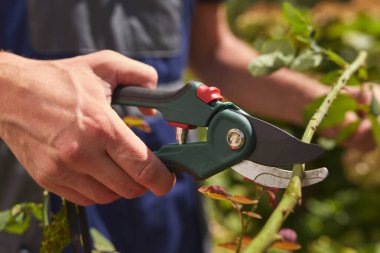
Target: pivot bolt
(235,138)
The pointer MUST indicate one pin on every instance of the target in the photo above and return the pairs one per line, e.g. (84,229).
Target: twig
(268,234)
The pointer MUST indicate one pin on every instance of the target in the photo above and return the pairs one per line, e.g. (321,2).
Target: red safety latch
(208,94)
(180,125)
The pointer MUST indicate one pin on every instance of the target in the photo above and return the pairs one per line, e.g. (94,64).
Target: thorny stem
(268,234)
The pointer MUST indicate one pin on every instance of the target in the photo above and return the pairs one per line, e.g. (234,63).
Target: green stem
(45,208)
(322,111)
(268,234)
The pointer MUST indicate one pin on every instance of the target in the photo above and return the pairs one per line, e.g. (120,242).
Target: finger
(131,154)
(70,194)
(117,69)
(116,179)
(91,189)
(362,139)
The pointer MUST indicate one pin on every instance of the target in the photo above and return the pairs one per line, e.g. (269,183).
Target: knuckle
(152,74)
(69,152)
(52,172)
(109,53)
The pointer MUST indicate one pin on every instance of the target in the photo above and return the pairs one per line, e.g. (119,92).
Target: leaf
(342,104)
(252,215)
(243,200)
(363,74)
(276,54)
(267,63)
(286,246)
(56,235)
(101,243)
(139,123)
(332,77)
(297,21)
(347,132)
(214,192)
(34,209)
(272,198)
(335,58)
(375,129)
(19,220)
(374,107)
(282,46)
(4,219)
(306,60)
(228,245)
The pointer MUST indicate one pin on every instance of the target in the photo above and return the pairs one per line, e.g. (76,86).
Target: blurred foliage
(342,214)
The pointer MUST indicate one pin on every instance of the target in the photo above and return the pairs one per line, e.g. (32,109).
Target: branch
(268,234)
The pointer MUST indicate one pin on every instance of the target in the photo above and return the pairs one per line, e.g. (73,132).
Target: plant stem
(45,209)
(268,234)
(322,111)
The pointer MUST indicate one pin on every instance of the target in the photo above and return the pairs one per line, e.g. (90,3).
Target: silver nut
(235,138)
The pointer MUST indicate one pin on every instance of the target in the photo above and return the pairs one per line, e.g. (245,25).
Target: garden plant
(338,53)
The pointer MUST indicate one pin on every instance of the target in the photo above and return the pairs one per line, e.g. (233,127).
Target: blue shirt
(149,224)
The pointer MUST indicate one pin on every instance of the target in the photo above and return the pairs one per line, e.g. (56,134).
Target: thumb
(134,157)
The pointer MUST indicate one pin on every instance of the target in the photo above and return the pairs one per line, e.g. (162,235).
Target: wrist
(10,70)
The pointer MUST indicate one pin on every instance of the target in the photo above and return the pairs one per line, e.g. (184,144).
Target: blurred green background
(342,214)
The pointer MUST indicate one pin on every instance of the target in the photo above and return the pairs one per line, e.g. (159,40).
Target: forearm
(222,60)
(282,95)
(9,69)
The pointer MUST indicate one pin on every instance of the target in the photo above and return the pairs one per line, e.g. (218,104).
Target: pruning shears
(250,146)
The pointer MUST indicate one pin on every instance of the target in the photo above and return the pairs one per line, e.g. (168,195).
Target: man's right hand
(56,118)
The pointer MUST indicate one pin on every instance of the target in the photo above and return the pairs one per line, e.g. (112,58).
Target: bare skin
(221,59)
(57,119)
(56,115)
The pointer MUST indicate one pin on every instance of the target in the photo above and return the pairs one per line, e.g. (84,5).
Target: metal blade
(275,177)
(275,147)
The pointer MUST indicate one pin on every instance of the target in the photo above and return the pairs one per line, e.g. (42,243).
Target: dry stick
(268,234)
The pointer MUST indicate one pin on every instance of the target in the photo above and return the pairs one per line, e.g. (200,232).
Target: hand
(362,139)
(56,118)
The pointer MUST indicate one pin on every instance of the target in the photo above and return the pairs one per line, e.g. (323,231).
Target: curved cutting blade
(275,177)
(275,147)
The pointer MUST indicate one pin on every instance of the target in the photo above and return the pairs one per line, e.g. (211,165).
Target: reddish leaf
(228,245)
(139,123)
(286,245)
(252,214)
(272,198)
(214,192)
(243,200)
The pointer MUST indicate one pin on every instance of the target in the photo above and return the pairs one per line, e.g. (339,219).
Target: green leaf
(101,243)
(34,209)
(342,104)
(332,77)
(56,235)
(306,60)
(363,74)
(283,46)
(374,107)
(297,21)
(347,132)
(335,58)
(265,64)
(4,219)
(18,223)
(276,54)
(375,129)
